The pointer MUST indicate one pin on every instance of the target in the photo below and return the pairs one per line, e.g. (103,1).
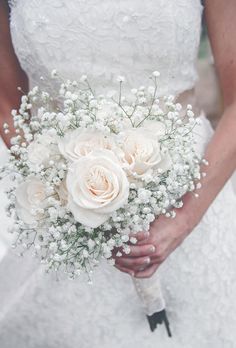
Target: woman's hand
(164,236)
(167,234)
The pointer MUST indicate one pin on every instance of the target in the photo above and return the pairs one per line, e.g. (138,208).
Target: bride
(195,254)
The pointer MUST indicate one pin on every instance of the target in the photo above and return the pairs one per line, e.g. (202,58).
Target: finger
(140,236)
(147,273)
(125,270)
(141,250)
(117,252)
(133,263)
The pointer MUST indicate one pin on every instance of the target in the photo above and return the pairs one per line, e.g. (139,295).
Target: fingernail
(147,260)
(152,249)
(146,234)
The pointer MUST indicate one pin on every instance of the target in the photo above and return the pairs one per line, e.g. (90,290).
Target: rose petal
(87,217)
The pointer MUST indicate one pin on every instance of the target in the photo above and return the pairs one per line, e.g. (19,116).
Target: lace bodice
(103,39)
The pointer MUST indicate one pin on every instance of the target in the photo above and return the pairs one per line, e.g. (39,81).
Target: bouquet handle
(150,294)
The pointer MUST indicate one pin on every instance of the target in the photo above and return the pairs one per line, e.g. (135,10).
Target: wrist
(190,214)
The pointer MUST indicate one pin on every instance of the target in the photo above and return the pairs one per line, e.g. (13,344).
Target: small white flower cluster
(89,170)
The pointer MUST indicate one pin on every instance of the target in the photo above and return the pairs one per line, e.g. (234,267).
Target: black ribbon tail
(159,318)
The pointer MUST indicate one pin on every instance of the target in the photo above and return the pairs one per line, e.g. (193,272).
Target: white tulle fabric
(104,39)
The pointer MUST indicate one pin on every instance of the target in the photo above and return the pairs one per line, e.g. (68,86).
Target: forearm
(5,117)
(10,99)
(11,74)
(221,155)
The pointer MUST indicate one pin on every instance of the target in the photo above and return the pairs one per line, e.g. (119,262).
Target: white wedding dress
(104,39)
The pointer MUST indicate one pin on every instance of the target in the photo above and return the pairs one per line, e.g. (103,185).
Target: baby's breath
(56,236)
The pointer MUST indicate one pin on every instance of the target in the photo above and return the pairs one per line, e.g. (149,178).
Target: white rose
(142,150)
(38,153)
(30,195)
(42,149)
(81,142)
(97,186)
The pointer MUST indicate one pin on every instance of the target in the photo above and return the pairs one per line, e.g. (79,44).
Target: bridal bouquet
(90,170)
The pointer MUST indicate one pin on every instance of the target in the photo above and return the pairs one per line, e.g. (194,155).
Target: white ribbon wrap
(150,294)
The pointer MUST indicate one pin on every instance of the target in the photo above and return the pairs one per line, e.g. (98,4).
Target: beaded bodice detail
(104,39)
